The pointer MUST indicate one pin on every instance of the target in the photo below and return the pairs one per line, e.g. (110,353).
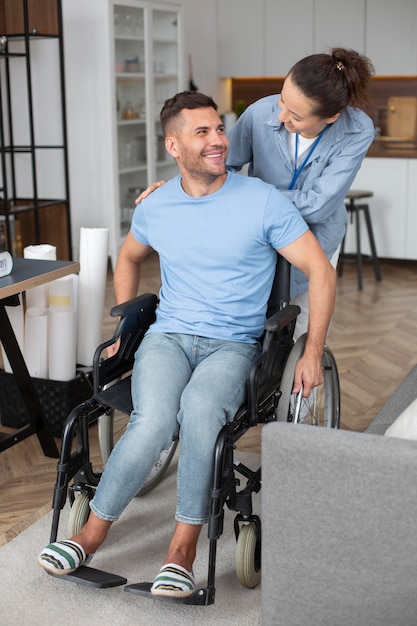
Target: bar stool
(354,211)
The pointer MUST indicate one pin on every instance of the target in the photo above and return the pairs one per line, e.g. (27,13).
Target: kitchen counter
(392,150)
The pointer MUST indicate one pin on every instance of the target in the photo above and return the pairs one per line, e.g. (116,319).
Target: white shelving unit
(123,59)
(147,71)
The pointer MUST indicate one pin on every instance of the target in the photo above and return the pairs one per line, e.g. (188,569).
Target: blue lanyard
(298,170)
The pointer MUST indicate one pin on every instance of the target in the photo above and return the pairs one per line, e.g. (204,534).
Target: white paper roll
(16,317)
(37,296)
(61,291)
(61,343)
(64,292)
(91,291)
(36,342)
(41,251)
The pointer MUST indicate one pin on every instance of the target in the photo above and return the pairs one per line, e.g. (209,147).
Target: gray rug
(135,549)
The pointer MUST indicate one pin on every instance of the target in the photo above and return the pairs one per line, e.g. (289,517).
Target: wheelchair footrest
(93,578)
(201,597)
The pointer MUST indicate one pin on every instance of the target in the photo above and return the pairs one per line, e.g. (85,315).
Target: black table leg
(38,424)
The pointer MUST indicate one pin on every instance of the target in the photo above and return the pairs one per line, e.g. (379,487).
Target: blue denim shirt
(259,139)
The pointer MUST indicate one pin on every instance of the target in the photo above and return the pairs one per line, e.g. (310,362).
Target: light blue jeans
(180,383)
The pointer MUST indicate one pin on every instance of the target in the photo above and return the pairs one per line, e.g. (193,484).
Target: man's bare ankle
(90,542)
(185,560)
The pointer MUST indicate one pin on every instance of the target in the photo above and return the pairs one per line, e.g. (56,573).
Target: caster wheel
(79,514)
(247,550)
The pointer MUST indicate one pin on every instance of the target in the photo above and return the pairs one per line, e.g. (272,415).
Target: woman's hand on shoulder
(149,190)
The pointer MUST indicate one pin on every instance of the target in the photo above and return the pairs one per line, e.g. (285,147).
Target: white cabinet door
(387,179)
(147,70)
(411,219)
(262,38)
(167,79)
(339,24)
(240,38)
(266,37)
(123,58)
(391,41)
(129,68)
(288,34)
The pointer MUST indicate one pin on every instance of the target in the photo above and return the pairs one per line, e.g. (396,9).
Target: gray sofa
(339,512)
(402,397)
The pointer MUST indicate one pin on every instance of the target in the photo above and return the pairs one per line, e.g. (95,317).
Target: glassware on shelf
(141,108)
(138,26)
(132,64)
(140,148)
(159,67)
(116,22)
(129,156)
(129,112)
(130,197)
(125,155)
(133,152)
(128,207)
(128,25)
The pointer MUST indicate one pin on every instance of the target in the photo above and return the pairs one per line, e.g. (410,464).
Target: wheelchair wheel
(79,513)
(111,427)
(247,549)
(158,471)
(322,407)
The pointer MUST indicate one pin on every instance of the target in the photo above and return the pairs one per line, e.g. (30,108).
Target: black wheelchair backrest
(280,291)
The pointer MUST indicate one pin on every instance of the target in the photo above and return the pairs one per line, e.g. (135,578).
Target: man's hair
(172,108)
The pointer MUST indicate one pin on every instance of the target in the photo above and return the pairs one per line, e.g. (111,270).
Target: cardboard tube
(37,296)
(36,342)
(91,291)
(61,343)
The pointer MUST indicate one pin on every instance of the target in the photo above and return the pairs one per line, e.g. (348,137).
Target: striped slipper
(173,580)
(63,557)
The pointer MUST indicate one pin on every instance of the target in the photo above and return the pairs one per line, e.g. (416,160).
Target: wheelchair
(269,398)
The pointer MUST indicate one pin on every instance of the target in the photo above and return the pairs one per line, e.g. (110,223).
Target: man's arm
(306,254)
(127,272)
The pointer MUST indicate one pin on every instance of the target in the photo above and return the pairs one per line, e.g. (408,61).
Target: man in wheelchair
(216,234)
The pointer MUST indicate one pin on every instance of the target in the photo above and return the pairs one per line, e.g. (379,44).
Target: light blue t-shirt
(217,254)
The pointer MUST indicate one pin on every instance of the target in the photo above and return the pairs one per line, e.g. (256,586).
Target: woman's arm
(306,254)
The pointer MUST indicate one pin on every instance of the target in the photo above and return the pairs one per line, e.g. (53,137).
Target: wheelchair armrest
(136,316)
(282,318)
(132,306)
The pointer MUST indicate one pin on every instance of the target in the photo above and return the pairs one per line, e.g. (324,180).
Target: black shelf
(42,218)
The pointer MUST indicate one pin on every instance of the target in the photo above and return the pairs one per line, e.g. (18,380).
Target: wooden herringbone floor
(374,339)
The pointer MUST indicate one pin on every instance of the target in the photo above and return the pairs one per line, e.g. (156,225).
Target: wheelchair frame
(262,406)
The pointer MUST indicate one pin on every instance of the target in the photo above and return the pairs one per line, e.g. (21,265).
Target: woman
(309,141)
